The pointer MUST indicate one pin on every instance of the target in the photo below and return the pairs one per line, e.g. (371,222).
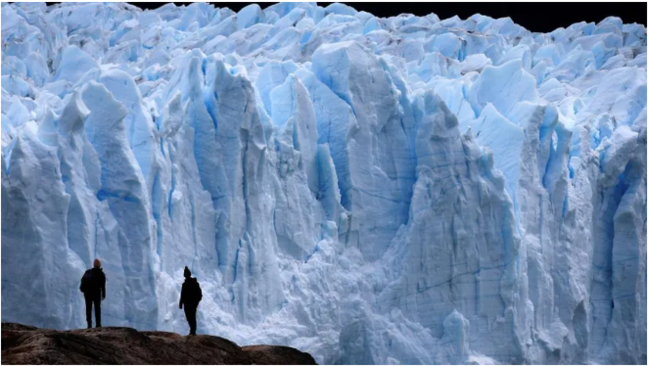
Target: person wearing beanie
(190,295)
(93,286)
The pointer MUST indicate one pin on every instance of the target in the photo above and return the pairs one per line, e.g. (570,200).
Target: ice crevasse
(368,190)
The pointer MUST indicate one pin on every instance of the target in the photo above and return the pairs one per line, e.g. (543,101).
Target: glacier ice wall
(369,190)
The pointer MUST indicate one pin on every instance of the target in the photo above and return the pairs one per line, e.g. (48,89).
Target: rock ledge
(22,344)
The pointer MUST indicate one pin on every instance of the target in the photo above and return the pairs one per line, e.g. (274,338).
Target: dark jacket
(97,285)
(191,293)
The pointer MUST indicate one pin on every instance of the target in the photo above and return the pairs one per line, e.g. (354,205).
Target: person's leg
(192,325)
(88,310)
(97,302)
(188,316)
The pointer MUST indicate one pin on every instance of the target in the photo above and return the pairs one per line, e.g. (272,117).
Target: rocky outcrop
(22,344)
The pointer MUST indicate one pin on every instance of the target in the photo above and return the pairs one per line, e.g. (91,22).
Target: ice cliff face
(368,190)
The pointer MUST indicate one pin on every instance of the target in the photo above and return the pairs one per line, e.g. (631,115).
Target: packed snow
(368,190)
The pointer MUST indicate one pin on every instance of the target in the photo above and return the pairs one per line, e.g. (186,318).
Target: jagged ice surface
(368,190)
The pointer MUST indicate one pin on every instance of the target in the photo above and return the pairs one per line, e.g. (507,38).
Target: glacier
(403,190)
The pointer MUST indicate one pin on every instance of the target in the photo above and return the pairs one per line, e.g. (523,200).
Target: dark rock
(23,344)
(267,355)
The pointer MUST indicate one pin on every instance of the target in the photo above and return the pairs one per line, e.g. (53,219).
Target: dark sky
(537,17)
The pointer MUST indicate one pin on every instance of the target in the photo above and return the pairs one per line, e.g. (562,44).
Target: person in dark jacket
(190,295)
(93,286)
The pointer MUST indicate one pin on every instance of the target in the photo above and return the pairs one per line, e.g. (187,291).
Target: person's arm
(182,294)
(103,286)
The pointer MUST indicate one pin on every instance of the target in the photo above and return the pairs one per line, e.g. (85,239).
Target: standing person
(93,286)
(190,296)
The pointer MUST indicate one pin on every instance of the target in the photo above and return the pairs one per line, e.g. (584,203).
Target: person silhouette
(93,286)
(190,295)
